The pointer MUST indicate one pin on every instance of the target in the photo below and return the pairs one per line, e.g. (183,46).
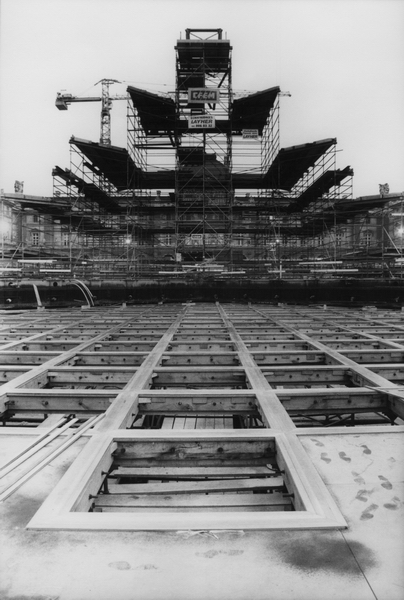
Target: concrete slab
(229,565)
(365,475)
(305,565)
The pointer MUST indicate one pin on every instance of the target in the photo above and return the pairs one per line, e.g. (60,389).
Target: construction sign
(203,95)
(201,122)
(250,134)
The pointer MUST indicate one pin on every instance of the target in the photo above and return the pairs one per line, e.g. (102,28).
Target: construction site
(199,332)
(203,203)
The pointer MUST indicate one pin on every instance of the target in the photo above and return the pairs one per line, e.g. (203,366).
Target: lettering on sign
(250,134)
(201,122)
(203,95)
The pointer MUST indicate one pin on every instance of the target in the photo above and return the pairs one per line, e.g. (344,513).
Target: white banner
(203,95)
(201,122)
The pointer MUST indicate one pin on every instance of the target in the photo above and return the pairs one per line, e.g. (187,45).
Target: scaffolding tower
(204,184)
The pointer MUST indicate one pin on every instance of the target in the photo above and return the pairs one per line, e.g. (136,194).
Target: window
(164,239)
(367,237)
(195,239)
(214,239)
(242,239)
(35,238)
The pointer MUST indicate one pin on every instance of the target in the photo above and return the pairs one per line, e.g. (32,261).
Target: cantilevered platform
(320,188)
(202,451)
(91,191)
(287,168)
(252,111)
(156,113)
(291,163)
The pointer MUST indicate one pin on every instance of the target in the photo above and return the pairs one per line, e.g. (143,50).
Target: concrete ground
(363,472)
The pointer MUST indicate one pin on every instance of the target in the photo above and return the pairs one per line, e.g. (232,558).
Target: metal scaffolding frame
(203,172)
(207,180)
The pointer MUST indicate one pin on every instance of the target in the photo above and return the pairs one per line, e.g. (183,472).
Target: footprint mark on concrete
(324,457)
(386,483)
(316,442)
(213,553)
(366,449)
(343,456)
(394,504)
(121,565)
(208,554)
(367,513)
(358,478)
(362,496)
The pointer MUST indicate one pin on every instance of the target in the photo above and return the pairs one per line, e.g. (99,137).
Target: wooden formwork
(193,413)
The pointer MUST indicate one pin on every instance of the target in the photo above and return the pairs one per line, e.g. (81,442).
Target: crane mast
(105,136)
(63,100)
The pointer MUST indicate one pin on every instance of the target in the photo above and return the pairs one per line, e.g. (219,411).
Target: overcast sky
(342,61)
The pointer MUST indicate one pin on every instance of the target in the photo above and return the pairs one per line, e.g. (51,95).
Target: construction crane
(63,100)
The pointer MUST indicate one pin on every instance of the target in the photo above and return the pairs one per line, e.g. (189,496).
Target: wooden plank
(334,400)
(37,445)
(83,479)
(60,401)
(223,346)
(51,421)
(205,501)
(109,358)
(271,409)
(198,395)
(191,509)
(203,461)
(183,401)
(125,404)
(218,423)
(203,521)
(37,377)
(361,374)
(53,327)
(91,375)
(210,423)
(381,430)
(199,361)
(73,437)
(179,423)
(168,423)
(191,487)
(200,423)
(187,472)
(222,448)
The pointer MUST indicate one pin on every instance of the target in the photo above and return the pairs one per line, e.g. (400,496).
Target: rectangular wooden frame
(67,506)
